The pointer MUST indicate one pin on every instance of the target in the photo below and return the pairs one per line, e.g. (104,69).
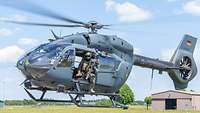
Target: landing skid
(76,98)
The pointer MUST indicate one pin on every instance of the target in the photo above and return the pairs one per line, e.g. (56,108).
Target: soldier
(92,73)
(87,70)
(84,66)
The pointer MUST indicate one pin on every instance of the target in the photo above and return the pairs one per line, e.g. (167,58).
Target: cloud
(28,41)
(16,17)
(5,32)
(20,17)
(128,12)
(166,54)
(192,7)
(137,51)
(10,53)
(197,54)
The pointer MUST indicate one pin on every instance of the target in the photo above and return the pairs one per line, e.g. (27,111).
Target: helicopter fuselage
(52,66)
(48,67)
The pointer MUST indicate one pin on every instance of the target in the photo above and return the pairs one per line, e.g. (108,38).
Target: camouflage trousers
(92,80)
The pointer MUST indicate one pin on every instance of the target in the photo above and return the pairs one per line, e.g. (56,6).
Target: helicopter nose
(34,70)
(37,69)
(20,64)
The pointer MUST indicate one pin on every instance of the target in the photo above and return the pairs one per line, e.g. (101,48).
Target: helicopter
(53,66)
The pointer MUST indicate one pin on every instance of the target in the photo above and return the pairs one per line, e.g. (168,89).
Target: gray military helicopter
(52,66)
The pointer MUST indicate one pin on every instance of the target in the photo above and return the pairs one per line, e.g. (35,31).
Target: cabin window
(108,63)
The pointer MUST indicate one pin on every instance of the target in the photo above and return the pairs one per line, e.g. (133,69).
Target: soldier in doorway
(87,70)
(84,65)
(93,72)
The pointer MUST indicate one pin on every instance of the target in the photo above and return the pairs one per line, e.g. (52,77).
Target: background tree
(148,100)
(126,95)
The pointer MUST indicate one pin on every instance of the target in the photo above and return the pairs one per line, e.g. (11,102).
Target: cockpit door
(67,58)
(107,70)
(64,64)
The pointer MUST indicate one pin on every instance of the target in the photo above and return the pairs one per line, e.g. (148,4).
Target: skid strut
(76,97)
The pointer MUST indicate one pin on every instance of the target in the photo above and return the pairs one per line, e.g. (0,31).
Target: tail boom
(181,68)
(152,63)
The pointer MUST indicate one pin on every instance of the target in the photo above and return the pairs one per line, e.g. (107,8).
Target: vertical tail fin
(183,58)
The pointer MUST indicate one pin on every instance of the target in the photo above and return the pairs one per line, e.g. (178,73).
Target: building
(1,104)
(174,99)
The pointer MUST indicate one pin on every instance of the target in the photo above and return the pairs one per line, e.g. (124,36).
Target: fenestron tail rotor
(186,64)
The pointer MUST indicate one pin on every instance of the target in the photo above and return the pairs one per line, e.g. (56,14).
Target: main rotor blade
(106,28)
(42,24)
(107,25)
(25,5)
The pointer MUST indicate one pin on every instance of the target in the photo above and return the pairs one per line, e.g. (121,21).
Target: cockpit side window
(40,48)
(66,59)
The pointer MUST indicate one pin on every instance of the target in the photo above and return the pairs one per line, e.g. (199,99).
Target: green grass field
(74,109)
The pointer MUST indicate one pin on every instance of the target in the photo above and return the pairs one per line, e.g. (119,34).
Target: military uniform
(84,66)
(92,74)
(87,70)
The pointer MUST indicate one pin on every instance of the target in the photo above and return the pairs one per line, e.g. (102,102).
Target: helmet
(88,55)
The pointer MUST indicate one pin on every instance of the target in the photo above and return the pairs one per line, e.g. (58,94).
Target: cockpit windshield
(46,52)
(45,48)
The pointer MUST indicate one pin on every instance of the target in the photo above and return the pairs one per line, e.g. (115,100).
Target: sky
(154,28)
